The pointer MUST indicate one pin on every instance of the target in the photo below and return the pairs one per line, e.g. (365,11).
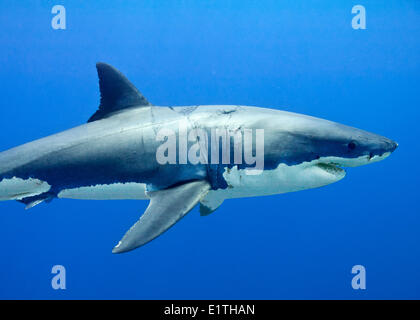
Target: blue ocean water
(298,56)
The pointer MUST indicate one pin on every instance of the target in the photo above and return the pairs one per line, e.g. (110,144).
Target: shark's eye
(351,145)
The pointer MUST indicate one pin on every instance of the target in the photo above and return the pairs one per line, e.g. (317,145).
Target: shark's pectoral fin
(166,207)
(210,203)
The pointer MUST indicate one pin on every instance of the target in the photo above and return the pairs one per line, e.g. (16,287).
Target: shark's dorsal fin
(117,93)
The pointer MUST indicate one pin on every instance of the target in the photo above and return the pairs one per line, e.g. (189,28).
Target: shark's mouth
(334,165)
(332,168)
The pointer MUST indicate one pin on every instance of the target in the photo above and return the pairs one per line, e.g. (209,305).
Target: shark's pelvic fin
(166,207)
(34,203)
(31,202)
(117,93)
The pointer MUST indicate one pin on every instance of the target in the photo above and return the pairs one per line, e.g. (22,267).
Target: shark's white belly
(17,188)
(240,184)
(115,191)
(280,180)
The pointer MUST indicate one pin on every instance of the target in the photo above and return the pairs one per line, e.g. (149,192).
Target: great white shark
(113,156)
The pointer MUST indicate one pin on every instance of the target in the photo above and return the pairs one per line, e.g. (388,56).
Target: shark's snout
(384,145)
(371,148)
(393,146)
